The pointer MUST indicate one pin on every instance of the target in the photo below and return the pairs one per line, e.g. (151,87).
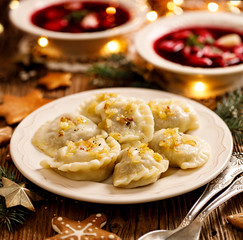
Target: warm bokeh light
(1,28)
(43,41)
(213,7)
(178,10)
(14,4)
(178,2)
(199,87)
(113,46)
(169,14)
(152,16)
(233,6)
(235,2)
(234,9)
(110,10)
(170,6)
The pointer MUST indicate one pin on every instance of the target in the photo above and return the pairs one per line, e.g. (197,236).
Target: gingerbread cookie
(88,229)
(55,80)
(15,109)
(5,135)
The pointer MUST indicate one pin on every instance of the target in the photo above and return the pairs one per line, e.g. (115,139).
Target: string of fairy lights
(170,8)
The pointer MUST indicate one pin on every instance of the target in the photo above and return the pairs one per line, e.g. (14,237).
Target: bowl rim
(145,38)
(20,17)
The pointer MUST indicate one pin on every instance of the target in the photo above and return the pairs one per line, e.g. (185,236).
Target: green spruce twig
(230,109)
(117,71)
(12,217)
(7,174)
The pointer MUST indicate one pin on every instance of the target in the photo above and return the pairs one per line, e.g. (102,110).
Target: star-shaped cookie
(88,229)
(55,80)
(15,109)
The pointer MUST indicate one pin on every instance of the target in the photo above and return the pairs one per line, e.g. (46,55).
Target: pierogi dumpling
(54,134)
(182,150)
(138,166)
(173,113)
(87,145)
(128,120)
(91,159)
(88,108)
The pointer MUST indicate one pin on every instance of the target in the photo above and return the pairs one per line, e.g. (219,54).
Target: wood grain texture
(127,221)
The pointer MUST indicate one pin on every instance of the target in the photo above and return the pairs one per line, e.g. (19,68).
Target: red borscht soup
(203,47)
(80,16)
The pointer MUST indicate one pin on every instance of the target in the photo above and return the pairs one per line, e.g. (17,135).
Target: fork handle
(235,188)
(234,167)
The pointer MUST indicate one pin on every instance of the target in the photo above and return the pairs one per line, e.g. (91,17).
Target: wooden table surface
(127,221)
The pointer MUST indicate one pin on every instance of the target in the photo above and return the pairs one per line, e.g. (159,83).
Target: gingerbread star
(88,229)
(15,109)
(55,80)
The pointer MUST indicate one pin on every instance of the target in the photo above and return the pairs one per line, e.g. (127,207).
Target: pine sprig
(5,173)
(117,71)
(231,111)
(11,217)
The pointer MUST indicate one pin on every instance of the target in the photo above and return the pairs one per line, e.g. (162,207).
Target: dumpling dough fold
(173,113)
(182,150)
(88,107)
(128,120)
(69,126)
(138,166)
(91,159)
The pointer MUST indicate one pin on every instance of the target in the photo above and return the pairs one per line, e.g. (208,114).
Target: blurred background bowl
(192,82)
(85,44)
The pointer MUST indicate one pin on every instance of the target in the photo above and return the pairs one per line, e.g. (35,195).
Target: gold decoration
(16,194)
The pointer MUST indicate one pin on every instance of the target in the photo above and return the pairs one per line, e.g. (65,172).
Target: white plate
(174,182)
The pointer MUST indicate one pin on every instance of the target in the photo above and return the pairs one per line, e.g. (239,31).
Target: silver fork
(234,167)
(192,231)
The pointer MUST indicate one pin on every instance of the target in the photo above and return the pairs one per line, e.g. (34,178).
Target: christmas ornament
(16,194)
